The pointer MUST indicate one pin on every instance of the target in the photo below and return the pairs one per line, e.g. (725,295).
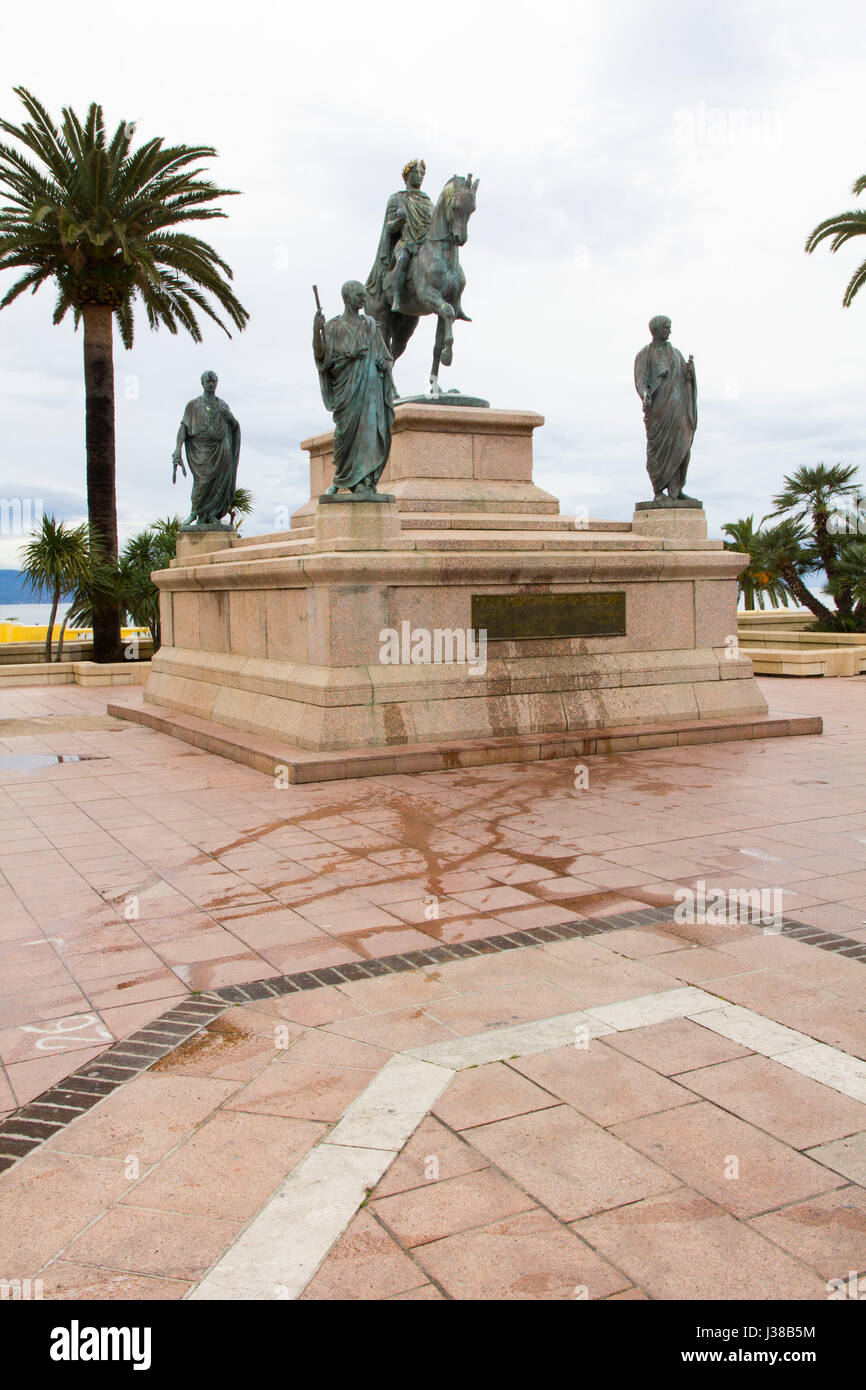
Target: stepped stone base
(290,638)
(297,765)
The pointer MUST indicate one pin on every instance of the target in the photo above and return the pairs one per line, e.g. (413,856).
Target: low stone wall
(789,619)
(806,661)
(26,653)
(75,673)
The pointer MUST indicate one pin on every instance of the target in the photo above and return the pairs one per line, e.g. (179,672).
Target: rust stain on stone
(220,1034)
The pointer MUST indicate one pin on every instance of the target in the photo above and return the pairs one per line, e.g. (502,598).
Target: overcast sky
(635,158)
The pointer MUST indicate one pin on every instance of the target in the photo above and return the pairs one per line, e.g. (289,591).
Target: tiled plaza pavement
(511,1127)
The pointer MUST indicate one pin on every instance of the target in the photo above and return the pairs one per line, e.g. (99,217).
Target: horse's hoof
(445,359)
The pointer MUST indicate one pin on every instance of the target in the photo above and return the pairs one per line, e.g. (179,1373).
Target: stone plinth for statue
(202,540)
(616,631)
(677,523)
(448,459)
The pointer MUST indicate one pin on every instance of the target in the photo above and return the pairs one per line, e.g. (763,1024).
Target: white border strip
(278,1254)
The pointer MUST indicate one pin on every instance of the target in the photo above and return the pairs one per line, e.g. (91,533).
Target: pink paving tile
(397,1029)
(37,1004)
(66,1035)
(643,942)
(697,963)
(600,1083)
(501,1008)
(433,1154)
(831,1021)
(453,930)
(113,991)
(63,1279)
(682,1246)
(793,1108)
(314,953)
(675,1047)
(207,944)
(734,1164)
(321,1048)
(485,1094)
(228,1167)
(827,1233)
(30,1079)
(597,982)
(310,1007)
(444,1207)
(128,1018)
(366,1263)
(525,1257)
(46,1200)
(164,1244)
(146,1117)
(302,1090)
(237,969)
(495,899)
(374,942)
(266,925)
(7,1099)
(397,991)
(568,1163)
(235,1047)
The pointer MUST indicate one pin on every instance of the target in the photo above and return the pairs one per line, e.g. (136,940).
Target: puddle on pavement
(30,762)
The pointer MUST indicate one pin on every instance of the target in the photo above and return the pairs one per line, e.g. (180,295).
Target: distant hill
(15,589)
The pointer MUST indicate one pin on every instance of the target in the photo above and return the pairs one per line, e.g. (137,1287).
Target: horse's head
(459,196)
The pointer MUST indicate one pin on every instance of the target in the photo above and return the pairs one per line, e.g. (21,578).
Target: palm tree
(755,581)
(56,560)
(787,550)
(152,549)
(842,228)
(852,574)
(243,504)
(813,494)
(94,216)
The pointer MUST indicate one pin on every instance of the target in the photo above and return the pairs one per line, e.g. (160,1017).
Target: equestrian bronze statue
(417,267)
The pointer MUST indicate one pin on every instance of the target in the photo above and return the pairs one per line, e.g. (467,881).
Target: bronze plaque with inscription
(522,617)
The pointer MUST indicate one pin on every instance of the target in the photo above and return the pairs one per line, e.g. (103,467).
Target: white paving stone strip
(277,1255)
(393,1105)
(520,1040)
(829,1066)
(280,1251)
(654,1008)
(751,1030)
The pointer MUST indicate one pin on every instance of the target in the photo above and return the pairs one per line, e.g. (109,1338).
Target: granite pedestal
(291,638)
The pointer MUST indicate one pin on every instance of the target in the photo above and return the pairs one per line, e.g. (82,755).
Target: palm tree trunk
(99,442)
(62,635)
(801,593)
(50,633)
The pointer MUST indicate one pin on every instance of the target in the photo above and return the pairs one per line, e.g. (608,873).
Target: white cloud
(634,159)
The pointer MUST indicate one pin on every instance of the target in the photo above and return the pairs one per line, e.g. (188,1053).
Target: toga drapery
(213,444)
(360,397)
(419,214)
(672,415)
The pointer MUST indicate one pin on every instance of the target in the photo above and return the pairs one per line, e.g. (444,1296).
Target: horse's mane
(446,197)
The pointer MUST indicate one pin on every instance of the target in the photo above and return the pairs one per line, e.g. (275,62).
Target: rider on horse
(407,221)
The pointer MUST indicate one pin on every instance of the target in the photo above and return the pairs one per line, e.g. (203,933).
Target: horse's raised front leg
(443,349)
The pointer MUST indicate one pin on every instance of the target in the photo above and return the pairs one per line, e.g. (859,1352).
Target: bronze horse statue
(434,280)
